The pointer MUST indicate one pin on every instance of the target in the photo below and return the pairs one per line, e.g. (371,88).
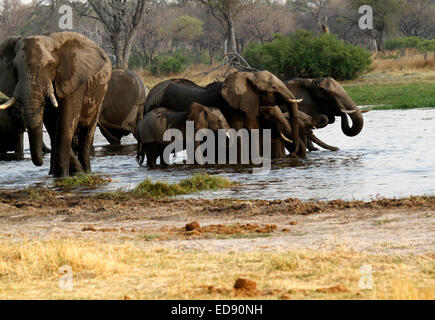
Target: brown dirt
(382,225)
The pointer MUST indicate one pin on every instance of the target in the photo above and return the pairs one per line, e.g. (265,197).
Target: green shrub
(305,55)
(165,64)
(421,45)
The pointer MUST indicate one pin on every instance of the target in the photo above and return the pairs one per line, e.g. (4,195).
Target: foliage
(186,28)
(165,64)
(308,56)
(421,45)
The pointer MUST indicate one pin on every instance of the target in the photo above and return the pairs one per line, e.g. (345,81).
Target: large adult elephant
(123,106)
(61,81)
(240,98)
(324,99)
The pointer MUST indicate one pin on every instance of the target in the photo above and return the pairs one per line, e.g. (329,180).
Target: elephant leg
(278,149)
(65,130)
(50,120)
(303,147)
(162,159)
(152,153)
(86,138)
(75,167)
(19,147)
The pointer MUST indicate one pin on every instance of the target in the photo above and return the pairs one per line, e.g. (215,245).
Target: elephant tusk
(228,135)
(295,101)
(347,111)
(285,138)
(53,100)
(8,104)
(314,127)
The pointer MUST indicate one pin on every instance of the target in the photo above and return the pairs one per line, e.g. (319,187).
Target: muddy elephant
(123,106)
(61,81)
(240,98)
(324,99)
(152,127)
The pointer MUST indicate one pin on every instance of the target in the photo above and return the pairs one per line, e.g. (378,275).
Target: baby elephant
(152,127)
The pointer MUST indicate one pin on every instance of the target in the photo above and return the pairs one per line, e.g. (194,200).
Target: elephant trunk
(35,141)
(322,144)
(33,114)
(357,123)
(294,122)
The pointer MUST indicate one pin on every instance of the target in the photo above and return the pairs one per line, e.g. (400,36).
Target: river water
(394,156)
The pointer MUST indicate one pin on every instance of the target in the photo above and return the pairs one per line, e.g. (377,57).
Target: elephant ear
(240,94)
(80,59)
(8,75)
(198,115)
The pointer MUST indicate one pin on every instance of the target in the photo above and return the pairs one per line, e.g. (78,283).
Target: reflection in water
(392,157)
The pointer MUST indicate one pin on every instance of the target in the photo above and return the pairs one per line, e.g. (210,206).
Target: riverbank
(406,89)
(140,248)
(399,90)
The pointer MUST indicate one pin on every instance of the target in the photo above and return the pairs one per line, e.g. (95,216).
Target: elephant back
(179,94)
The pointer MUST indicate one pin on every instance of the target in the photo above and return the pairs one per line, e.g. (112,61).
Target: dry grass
(410,68)
(410,61)
(29,269)
(193,73)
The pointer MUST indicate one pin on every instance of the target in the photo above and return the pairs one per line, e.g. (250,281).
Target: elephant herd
(65,82)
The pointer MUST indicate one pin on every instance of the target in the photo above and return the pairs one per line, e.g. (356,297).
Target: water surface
(394,156)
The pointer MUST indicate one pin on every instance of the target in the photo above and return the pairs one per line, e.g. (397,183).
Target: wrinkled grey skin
(12,125)
(240,98)
(61,81)
(123,106)
(325,97)
(152,127)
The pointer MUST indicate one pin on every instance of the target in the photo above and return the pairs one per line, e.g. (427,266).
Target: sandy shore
(381,226)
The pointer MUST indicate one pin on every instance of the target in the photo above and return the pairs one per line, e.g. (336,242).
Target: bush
(307,56)
(164,64)
(421,45)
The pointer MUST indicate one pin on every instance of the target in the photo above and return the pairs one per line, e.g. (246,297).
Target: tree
(121,19)
(225,11)
(185,29)
(386,14)
(418,20)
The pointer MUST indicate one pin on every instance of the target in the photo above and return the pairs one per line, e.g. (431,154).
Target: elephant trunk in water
(357,122)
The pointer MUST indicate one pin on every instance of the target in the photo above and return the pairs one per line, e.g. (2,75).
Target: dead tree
(121,19)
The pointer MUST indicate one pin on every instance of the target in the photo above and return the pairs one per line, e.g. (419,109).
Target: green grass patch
(394,96)
(83,180)
(149,189)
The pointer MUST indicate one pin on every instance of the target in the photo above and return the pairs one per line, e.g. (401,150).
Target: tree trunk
(232,42)
(116,40)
